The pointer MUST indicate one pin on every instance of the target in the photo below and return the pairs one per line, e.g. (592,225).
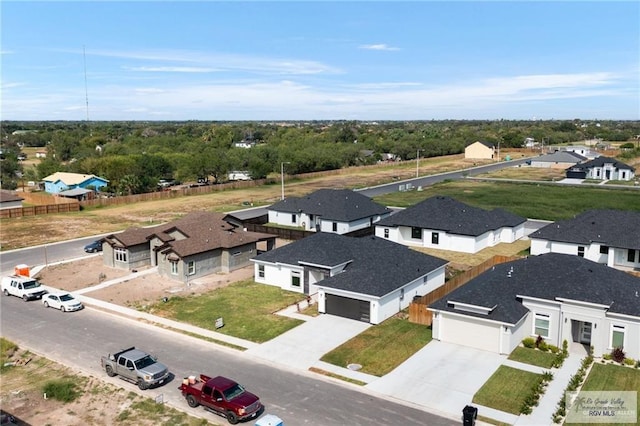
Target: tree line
(134,155)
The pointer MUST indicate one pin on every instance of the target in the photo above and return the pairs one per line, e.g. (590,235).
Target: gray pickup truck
(135,366)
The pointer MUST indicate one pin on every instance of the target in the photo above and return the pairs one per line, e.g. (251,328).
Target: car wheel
(24,297)
(142,384)
(232,418)
(192,401)
(109,371)
(63,309)
(46,305)
(6,292)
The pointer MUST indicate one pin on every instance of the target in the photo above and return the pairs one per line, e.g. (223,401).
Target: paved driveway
(441,376)
(302,346)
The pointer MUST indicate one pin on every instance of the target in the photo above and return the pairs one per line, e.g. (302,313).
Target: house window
(617,336)
(435,238)
(541,325)
(581,251)
(334,227)
(416,233)
(386,233)
(120,254)
(293,218)
(260,271)
(631,255)
(604,249)
(191,268)
(402,294)
(174,267)
(295,278)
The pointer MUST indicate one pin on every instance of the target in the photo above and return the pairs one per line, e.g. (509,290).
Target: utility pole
(418,162)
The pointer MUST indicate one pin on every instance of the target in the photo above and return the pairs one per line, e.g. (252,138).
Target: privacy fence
(418,312)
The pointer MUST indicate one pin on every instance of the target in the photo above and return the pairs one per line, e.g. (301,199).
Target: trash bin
(469,415)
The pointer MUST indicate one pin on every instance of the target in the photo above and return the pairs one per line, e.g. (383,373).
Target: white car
(63,301)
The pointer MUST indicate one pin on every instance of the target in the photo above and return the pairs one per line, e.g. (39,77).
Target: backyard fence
(418,312)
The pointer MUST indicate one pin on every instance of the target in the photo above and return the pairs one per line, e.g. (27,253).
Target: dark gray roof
(375,266)
(615,228)
(452,216)
(332,204)
(600,162)
(549,276)
(560,157)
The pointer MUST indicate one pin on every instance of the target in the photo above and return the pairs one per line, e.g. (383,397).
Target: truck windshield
(233,392)
(144,362)
(31,284)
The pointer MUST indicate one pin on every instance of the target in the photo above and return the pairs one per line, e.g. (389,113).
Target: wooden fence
(39,210)
(284,233)
(418,312)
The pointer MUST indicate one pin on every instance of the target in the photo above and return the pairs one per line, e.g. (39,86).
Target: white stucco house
(601,168)
(367,279)
(480,150)
(610,237)
(447,224)
(337,211)
(556,296)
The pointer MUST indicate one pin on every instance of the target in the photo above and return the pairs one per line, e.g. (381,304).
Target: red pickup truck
(222,396)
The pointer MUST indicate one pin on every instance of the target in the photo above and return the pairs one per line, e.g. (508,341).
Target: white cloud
(381,46)
(172,69)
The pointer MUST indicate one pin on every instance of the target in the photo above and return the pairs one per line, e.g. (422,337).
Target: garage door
(348,308)
(576,175)
(469,332)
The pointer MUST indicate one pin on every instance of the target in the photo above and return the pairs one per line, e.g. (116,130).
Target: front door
(585,332)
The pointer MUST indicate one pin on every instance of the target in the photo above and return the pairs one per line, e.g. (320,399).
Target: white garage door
(470,332)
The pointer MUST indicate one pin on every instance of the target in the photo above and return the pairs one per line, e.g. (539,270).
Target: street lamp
(418,161)
(282,176)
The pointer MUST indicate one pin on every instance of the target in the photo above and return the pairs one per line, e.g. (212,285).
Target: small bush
(618,355)
(629,361)
(529,342)
(543,346)
(63,390)
(554,349)
(606,357)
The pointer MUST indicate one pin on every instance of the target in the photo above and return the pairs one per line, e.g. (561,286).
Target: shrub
(618,355)
(62,389)
(529,342)
(554,349)
(543,346)
(539,340)
(606,357)
(629,361)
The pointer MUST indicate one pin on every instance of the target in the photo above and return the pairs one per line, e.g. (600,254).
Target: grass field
(506,389)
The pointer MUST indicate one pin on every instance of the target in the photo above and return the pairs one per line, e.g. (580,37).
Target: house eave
(583,303)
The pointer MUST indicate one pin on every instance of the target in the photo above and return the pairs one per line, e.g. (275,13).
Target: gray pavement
(441,377)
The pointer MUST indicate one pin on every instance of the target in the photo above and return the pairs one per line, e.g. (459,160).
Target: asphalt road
(79,339)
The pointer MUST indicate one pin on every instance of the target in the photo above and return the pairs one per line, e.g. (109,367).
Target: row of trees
(134,155)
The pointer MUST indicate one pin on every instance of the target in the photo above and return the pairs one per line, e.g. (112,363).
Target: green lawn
(536,201)
(246,307)
(382,347)
(532,356)
(506,389)
(613,377)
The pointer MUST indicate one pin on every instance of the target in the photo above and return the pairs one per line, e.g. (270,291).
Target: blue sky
(314,60)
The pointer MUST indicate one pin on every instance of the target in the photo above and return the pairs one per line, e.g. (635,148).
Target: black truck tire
(142,385)
(232,418)
(109,371)
(192,401)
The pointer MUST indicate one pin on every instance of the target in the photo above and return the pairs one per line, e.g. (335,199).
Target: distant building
(239,175)
(61,181)
(480,150)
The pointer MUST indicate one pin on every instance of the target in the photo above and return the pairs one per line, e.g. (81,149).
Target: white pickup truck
(24,287)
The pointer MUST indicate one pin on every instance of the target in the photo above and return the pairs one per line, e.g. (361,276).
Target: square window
(631,255)
(541,325)
(604,249)
(295,278)
(416,233)
(120,254)
(581,251)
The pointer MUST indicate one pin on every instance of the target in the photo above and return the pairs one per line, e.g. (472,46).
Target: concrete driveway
(441,376)
(302,346)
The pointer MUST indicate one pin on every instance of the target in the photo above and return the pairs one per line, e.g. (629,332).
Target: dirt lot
(133,290)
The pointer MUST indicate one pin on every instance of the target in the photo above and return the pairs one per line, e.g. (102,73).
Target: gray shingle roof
(333,204)
(614,228)
(600,162)
(560,157)
(375,266)
(549,276)
(449,215)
